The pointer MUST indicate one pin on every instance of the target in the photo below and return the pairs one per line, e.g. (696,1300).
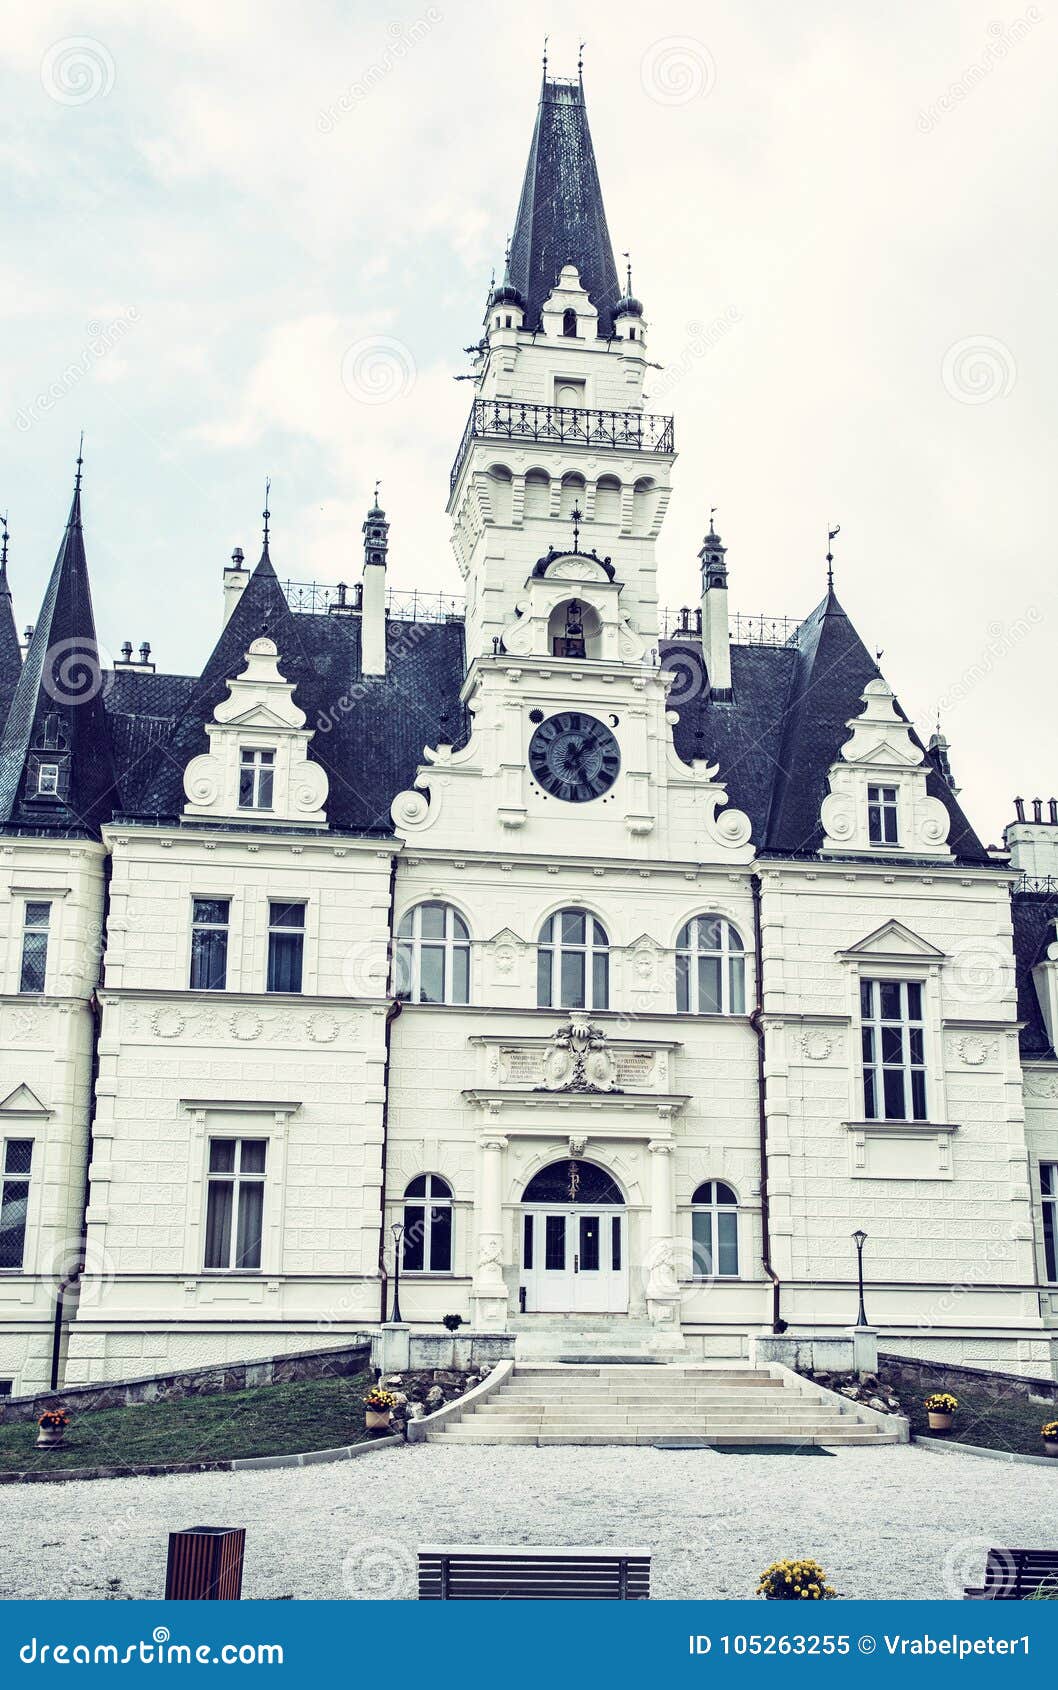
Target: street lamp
(398,1233)
(859,1238)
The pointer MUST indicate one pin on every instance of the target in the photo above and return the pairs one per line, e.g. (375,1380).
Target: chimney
(235,580)
(1033,844)
(716,638)
(373,597)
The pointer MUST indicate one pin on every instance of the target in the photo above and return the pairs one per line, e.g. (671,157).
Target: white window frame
(281,928)
(44,926)
(28,1179)
(252,760)
(714,1208)
(236,1179)
(876,1023)
(49,788)
(596,943)
(212,927)
(883,809)
(411,945)
(730,955)
(428,1202)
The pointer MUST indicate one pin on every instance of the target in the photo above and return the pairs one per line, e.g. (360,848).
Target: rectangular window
(35,923)
(1049,1186)
(882,822)
(894,1061)
(286,946)
(48,780)
(209,944)
(235,1202)
(14,1200)
(527,1243)
(6,1387)
(256,776)
(555,1243)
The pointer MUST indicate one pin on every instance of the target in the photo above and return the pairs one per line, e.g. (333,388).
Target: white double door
(575,1260)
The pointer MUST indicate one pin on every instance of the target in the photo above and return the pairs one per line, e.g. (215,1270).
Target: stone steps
(546,1404)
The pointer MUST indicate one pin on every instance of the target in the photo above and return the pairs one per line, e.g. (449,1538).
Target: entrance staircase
(657,1403)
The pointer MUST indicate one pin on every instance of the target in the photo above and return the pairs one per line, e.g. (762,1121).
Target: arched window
(714,1231)
(433,955)
(574,1182)
(710,968)
(427,1242)
(573,962)
(569,323)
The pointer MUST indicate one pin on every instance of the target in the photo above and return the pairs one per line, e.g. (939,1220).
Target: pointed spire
(561,218)
(832,534)
(10,650)
(56,759)
(266,515)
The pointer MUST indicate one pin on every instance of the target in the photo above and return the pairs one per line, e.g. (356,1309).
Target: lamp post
(398,1233)
(859,1238)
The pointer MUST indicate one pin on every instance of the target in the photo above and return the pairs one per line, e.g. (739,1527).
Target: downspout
(393,1009)
(777,1322)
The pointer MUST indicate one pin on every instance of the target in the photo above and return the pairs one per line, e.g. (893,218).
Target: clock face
(573,756)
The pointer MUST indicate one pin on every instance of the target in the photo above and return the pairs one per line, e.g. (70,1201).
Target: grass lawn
(270,1420)
(1011,1423)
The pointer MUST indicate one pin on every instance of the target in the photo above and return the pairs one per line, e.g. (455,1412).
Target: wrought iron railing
(1037,883)
(744,630)
(323,598)
(505,419)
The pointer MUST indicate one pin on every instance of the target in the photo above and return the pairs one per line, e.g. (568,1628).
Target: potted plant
(1050,1437)
(378,1408)
(795,1581)
(940,1407)
(51,1428)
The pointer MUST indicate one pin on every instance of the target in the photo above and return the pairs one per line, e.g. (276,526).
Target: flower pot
(939,1422)
(377,1419)
(1050,1447)
(50,1437)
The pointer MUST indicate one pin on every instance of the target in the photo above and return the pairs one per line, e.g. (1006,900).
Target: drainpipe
(393,1009)
(777,1322)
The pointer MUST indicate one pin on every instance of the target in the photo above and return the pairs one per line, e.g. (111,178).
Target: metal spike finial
(80,462)
(576,515)
(832,534)
(3,544)
(712,512)
(628,274)
(266,513)
(580,60)
(378,484)
(546,40)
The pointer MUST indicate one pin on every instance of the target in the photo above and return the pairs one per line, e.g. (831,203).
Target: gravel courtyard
(890,1522)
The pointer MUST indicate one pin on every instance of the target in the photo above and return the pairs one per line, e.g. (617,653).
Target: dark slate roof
(10,651)
(58,706)
(561,219)
(370,731)
(1034,917)
(784,725)
(142,710)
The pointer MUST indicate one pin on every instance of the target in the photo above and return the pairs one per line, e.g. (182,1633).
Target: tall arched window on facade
(426,1246)
(710,968)
(573,962)
(714,1231)
(569,323)
(433,955)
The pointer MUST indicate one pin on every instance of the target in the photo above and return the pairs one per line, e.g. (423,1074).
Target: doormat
(770,1449)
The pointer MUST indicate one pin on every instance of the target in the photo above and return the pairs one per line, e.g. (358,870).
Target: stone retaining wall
(196,1382)
(924,1376)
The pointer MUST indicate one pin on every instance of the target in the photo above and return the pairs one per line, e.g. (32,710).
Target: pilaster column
(663,1289)
(490,1289)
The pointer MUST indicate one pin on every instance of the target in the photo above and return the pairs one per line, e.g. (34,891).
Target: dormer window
(256,776)
(882,815)
(48,780)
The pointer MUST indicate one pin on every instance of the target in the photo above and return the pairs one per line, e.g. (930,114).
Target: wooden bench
(532,1573)
(1013,1574)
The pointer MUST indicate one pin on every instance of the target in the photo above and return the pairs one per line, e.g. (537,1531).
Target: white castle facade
(629,972)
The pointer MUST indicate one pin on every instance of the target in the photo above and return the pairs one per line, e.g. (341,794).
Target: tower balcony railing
(564,425)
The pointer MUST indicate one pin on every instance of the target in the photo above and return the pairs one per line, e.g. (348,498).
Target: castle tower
(558,419)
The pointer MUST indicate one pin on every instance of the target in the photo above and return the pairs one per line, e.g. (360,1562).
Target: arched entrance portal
(574,1241)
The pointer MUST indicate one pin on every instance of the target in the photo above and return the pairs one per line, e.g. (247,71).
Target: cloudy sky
(247,239)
